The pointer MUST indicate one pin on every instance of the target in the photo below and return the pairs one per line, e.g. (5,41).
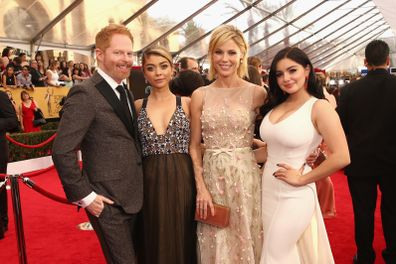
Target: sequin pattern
(175,140)
(231,176)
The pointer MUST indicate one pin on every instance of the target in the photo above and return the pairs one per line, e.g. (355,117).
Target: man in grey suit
(100,119)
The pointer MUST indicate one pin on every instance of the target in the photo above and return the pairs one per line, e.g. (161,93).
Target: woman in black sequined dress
(166,222)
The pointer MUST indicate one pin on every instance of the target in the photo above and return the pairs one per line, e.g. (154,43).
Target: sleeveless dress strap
(144,104)
(178,101)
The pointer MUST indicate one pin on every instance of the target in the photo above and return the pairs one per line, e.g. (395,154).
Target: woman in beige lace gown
(223,114)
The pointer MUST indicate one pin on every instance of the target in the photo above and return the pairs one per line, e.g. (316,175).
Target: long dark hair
(276,96)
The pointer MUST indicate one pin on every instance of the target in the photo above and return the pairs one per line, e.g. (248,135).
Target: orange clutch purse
(220,219)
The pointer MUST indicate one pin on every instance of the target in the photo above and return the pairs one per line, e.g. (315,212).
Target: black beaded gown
(166,223)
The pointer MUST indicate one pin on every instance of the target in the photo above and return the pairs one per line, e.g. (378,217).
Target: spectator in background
(85,71)
(6,56)
(41,67)
(39,57)
(255,62)
(9,94)
(188,63)
(52,74)
(70,67)
(38,79)
(23,58)
(77,76)
(16,63)
(186,83)
(254,76)
(2,68)
(63,68)
(8,78)
(26,111)
(24,79)
(64,74)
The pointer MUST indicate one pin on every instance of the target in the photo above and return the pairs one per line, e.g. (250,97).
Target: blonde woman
(223,114)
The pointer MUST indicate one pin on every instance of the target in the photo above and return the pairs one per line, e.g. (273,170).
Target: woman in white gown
(299,118)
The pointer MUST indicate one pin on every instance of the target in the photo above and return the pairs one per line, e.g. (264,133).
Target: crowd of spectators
(18,71)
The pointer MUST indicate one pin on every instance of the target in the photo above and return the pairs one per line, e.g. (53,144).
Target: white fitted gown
(294,231)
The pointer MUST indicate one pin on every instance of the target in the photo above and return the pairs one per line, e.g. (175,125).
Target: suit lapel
(135,128)
(108,93)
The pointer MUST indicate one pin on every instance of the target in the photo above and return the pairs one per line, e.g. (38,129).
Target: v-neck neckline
(167,127)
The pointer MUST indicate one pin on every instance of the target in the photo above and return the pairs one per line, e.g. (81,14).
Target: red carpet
(50,229)
(52,237)
(341,229)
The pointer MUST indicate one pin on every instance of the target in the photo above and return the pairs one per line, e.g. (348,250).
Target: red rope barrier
(47,194)
(38,172)
(31,146)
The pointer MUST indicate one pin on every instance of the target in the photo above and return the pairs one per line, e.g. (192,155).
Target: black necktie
(124,102)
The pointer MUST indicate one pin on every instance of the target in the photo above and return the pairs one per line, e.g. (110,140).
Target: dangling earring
(240,61)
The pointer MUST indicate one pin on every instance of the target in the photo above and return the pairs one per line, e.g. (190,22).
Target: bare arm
(260,151)
(329,126)
(204,199)
(260,96)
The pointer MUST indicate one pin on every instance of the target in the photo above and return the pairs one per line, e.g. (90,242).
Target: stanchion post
(16,204)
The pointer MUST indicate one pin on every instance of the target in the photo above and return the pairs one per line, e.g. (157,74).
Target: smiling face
(226,59)
(291,76)
(157,71)
(116,59)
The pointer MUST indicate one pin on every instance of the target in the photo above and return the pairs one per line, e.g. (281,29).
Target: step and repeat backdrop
(47,98)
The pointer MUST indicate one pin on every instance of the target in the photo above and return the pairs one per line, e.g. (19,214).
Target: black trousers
(114,229)
(364,197)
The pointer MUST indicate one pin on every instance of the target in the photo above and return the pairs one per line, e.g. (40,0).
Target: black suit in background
(367,109)
(8,122)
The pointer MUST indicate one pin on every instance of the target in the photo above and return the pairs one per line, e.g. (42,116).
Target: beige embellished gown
(231,176)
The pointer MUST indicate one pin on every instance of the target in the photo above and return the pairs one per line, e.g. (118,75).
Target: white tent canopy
(330,31)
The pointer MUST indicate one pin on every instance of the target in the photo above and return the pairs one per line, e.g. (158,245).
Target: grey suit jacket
(94,122)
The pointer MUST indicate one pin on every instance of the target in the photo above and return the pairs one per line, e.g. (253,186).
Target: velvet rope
(31,146)
(45,193)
